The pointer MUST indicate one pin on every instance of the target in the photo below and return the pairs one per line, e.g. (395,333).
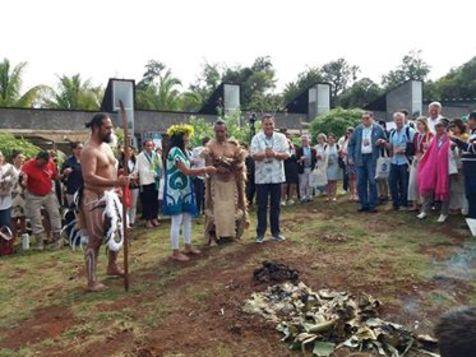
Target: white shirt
(269,170)
(432,123)
(8,179)
(145,168)
(196,160)
(366,147)
(321,152)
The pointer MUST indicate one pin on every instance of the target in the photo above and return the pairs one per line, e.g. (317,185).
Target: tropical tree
(158,89)
(361,93)
(256,84)
(74,93)
(10,87)
(191,101)
(199,91)
(339,74)
(305,79)
(460,82)
(412,67)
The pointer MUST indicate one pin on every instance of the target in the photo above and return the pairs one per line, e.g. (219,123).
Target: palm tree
(158,89)
(74,93)
(10,86)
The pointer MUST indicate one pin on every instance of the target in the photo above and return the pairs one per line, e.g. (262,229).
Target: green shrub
(9,144)
(237,128)
(335,121)
(202,129)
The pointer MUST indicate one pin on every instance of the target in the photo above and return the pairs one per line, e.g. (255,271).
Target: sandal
(180,257)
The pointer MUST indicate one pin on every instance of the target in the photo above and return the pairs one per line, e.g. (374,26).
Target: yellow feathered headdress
(181,129)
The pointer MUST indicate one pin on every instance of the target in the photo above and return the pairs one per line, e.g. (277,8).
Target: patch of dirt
(333,238)
(376,226)
(201,327)
(46,323)
(17,273)
(439,252)
(456,236)
(119,341)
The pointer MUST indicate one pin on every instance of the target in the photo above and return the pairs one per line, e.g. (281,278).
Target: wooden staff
(124,208)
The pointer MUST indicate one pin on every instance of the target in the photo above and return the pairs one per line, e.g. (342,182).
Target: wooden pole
(124,209)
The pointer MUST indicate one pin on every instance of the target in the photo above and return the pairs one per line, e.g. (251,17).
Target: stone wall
(456,111)
(145,120)
(43,119)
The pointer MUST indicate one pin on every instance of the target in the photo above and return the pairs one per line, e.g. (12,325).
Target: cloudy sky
(102,38)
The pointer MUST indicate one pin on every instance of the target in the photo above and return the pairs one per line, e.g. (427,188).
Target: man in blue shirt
(364,150)
(399,139)
(71,169)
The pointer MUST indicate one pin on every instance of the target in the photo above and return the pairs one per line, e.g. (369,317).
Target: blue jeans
(398,182)
(264,193)
(366,185)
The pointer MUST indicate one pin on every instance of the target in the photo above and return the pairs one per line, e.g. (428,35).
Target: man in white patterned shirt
(269,150)
(434,115)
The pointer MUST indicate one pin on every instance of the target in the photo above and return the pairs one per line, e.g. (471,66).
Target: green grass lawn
(417,269)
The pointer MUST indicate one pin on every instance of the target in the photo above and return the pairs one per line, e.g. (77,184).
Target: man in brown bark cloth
(99,205)
(226,213)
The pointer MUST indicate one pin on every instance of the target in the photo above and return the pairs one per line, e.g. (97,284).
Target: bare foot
(115,271)
(149,224)
(96,287)
(156,222)
(179,257)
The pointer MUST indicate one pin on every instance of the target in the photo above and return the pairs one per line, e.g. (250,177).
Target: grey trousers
(428,202)
(33,206)
(305,189)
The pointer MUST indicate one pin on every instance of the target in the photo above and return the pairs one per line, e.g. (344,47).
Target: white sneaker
(290,202)
(283,203)
(442,218)
(422,215)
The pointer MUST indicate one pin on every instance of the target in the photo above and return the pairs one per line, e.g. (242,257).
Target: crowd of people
(420,165)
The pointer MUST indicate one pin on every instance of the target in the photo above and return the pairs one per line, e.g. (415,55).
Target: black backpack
(410,146)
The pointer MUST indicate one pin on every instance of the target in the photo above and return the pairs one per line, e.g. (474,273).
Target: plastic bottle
(25,241)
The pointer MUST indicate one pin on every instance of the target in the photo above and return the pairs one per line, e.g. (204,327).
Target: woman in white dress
(334,172)
(321,164)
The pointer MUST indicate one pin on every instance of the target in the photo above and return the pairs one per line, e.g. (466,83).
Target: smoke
(461,265)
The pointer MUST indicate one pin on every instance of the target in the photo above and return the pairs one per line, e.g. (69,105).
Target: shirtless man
(99,169)
(225,198)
